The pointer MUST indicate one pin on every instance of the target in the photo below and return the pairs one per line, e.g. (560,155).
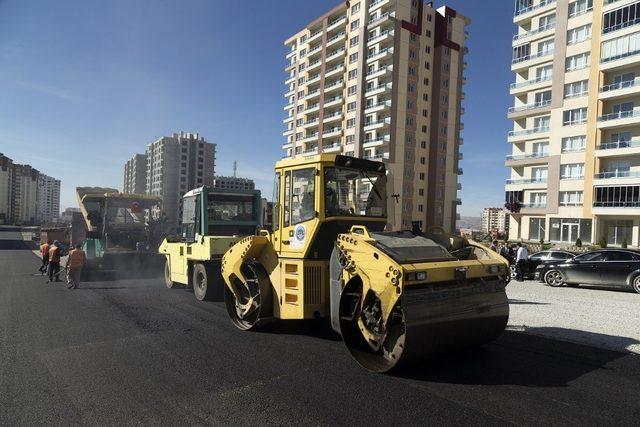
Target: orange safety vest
(44,250)
(54,254)
(76,258)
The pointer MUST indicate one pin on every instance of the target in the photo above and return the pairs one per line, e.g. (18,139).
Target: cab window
(276,202)
(303,195)
(189,218)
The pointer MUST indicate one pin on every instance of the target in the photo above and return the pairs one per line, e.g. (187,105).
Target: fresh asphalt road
(134,352)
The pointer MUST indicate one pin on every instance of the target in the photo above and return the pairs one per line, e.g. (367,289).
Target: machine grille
(313,285)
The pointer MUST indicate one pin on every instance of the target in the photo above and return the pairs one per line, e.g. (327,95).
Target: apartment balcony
(543,31)
(620,61)
(613,31)
(335,70)
(629,176)
(527,13)
(620,119)
(526,183)
(528,109)
(618,207)
(335,55)
(376,90)
(380,106)
(530,85)
(331,148)
(287,132)
(527,159)
(313,79)
(379,72)
(312,108)
(291,53)
(382,19)
(332,117)
(314,65)
(379,124)
(458,186)
(340,37)
(377,4)
(461,141)
(314,36)
(290,66)
(618,148)
(537,58)
(526,134)
(290,93)
(380,55)
(336,23)
(315,51)
(620,89)
(290,80)
(460,171)
(332,87)
(332,132)
(289,106)
(330,102)
(312,94)
(381,38)
(287,120)
(309,138)
(381,140)
(458,201)
(377,157)
(310,151)
(286,145)
(311,122)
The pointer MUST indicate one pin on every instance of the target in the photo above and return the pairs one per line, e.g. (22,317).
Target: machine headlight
(494,269)
(417,276)
(410,277)
(421,275)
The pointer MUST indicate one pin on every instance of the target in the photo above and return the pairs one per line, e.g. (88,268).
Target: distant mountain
(472,222)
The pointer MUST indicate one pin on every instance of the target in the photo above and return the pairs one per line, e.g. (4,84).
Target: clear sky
(85,84)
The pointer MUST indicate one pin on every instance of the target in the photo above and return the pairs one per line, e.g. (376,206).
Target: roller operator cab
(395,297)
(212,221)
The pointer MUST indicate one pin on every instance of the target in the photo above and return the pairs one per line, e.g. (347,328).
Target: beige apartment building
(135,175)
(495,219)
(6,185)
(382,79)
(575,162)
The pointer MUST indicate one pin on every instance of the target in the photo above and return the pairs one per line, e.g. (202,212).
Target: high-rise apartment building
(135,175)
(175,165)
(233,183)
(6,185)
(494,219)
(382,79)
(48,198)
(575,162)
(24,195)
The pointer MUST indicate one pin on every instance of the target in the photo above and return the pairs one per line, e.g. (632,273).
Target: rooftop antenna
(235,168)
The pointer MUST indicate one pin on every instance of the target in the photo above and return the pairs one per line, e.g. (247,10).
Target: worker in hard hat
(75,262)
(44,251)
(54,262)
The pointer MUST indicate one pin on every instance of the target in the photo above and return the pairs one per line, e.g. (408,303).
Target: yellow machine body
(396,297)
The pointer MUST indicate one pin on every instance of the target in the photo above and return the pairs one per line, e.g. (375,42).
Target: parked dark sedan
(542,257)
(607,267)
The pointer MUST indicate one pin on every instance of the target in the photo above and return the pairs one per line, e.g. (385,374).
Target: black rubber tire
(636,284)
(203,282)
(167,275)
(554,278)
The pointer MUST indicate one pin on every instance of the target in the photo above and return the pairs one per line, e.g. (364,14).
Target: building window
(575,89)
(574,143)
(352,90)
(620,47)
(355,8)
(350,139)
(571,198)
(572,171)
(355,24)
(580,34)
(354,41)
(353,58)
(569,230)
(621,18)
(579,7)
(536,228)
(577,62)
(353,74)
(351,123)
(351,106)
(574,117)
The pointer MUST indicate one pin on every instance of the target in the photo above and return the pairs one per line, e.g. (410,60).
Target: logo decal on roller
(299,236)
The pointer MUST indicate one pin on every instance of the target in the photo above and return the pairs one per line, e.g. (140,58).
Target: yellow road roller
(396,297)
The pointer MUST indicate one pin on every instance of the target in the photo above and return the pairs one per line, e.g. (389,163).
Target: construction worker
(44,251)
(54,262)
(74,265)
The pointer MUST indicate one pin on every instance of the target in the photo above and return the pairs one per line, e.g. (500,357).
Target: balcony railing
(378,139)
(525,132)
(527,181)
(532,56)
(619,115)
(617,204)
(618,144)
(386,120)
(620,85)
(528,156)
(621,26)
(380,36)
(534,205)
(617,174)
(391,14)
(380,52)
(381,86)
(534,7)
(621,56)
(533,106)
(331,130)
(530,82)
(534,32)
